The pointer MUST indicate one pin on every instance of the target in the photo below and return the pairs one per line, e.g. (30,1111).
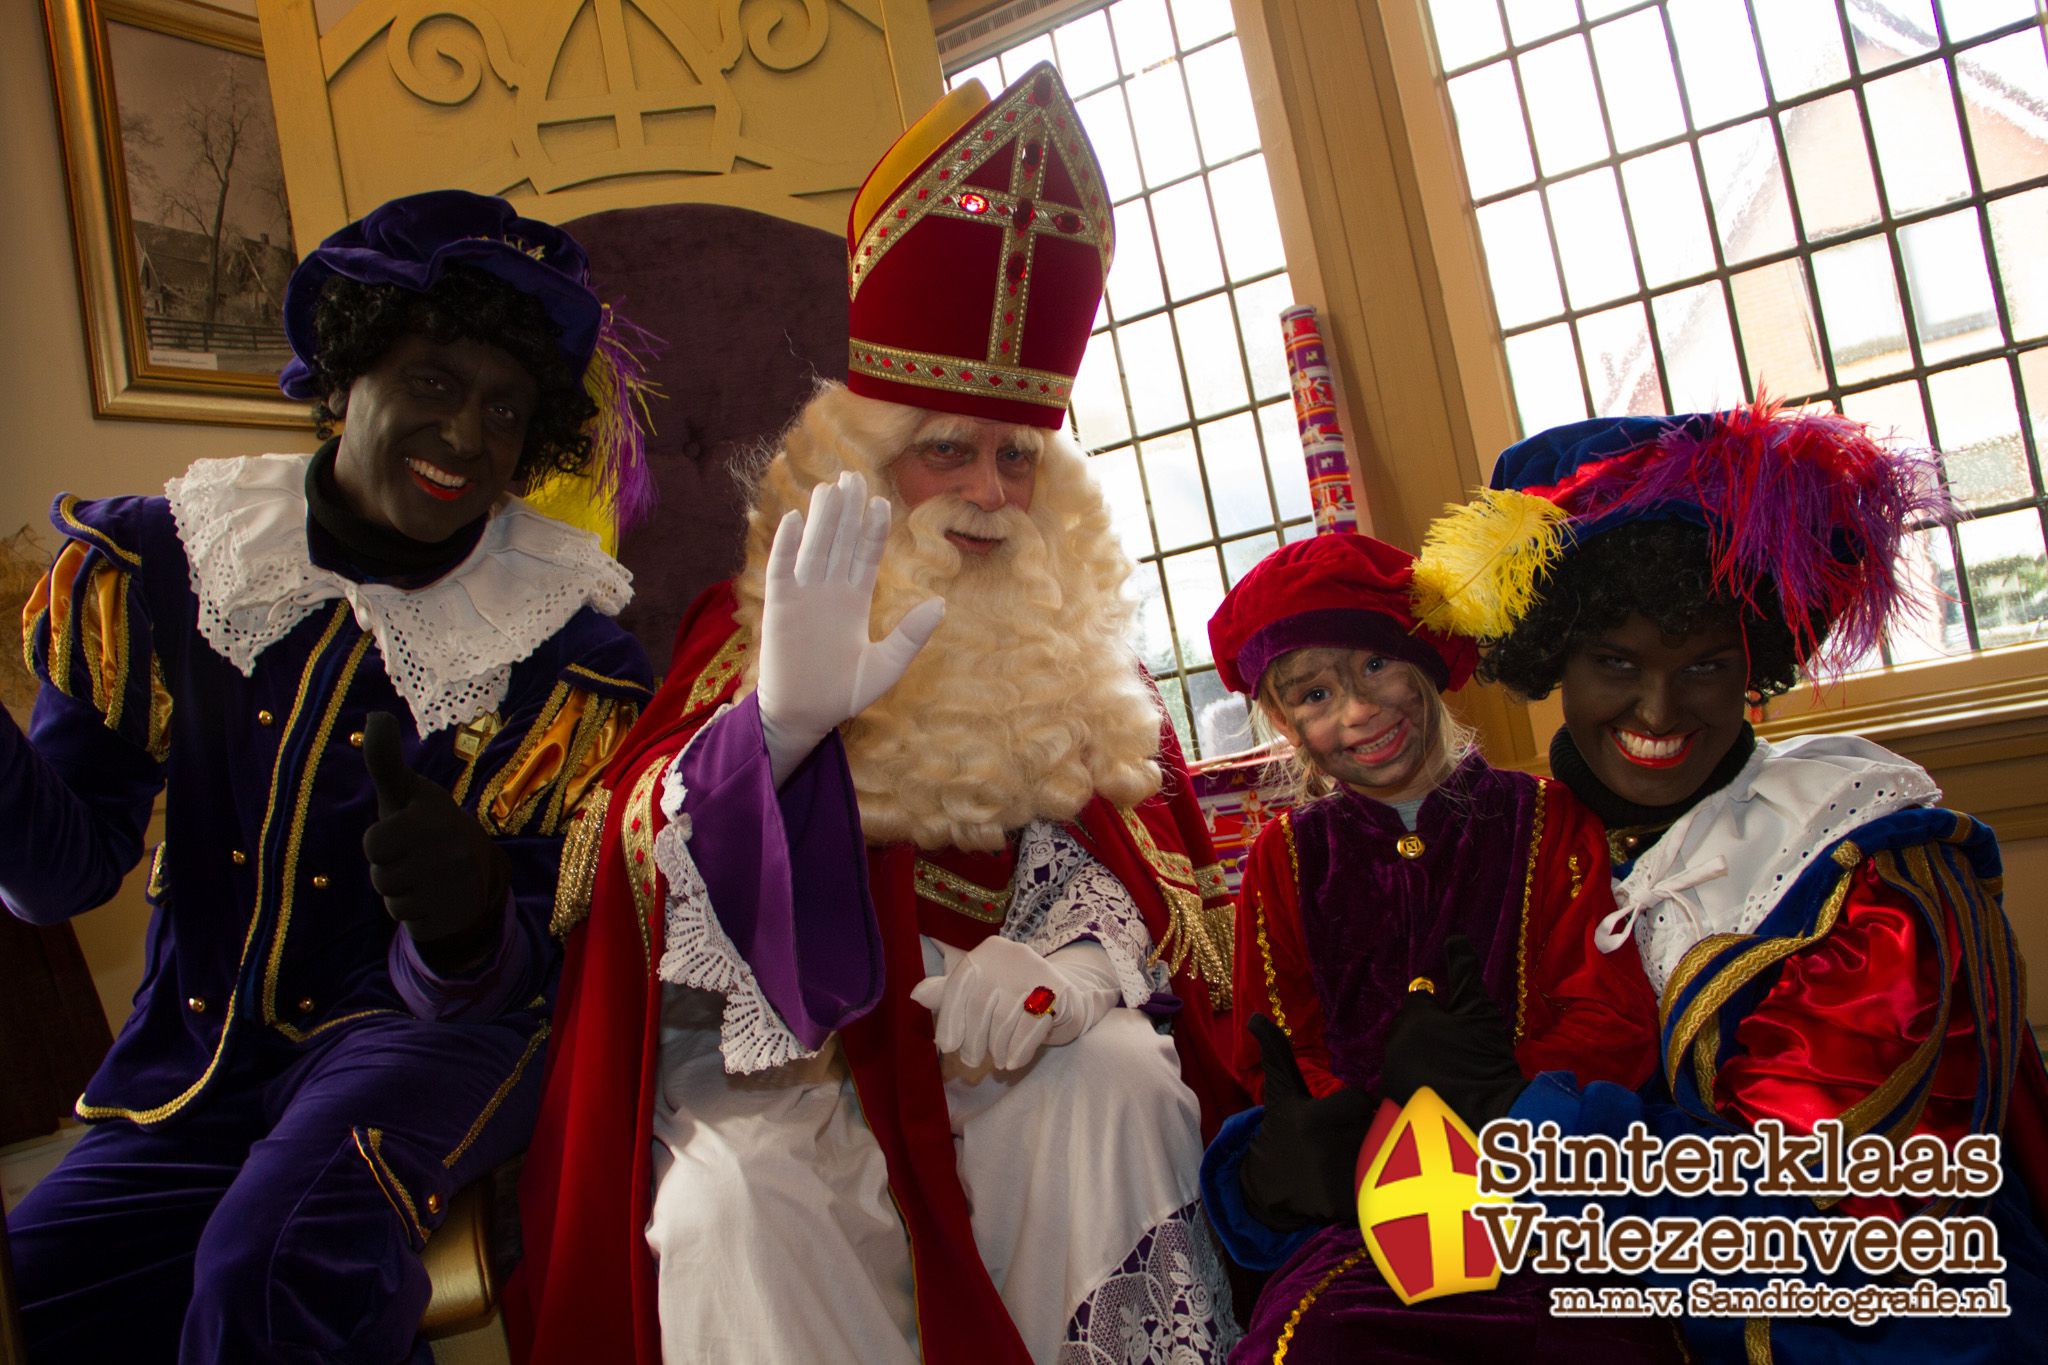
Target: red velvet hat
(1339,590)
(976,256)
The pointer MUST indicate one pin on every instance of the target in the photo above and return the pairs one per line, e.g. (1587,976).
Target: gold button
(196,1003)
(319,881)
(264,718)
(1409,846)
(238,857)
(433,1203)
(355,739)
(305,1004)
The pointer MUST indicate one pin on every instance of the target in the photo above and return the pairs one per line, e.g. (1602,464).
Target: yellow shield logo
(1418,1183)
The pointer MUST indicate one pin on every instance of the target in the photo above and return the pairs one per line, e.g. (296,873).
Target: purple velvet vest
(1373,920)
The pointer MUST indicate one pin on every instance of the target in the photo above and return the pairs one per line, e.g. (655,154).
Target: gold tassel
(1477,573)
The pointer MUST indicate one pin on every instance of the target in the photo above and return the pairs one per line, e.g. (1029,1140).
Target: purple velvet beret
(411,240)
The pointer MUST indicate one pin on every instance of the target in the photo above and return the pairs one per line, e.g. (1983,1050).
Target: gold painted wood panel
(568,107)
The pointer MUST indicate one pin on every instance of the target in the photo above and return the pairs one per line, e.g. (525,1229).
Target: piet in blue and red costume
(1827,942)
(300,1090)
(1345,903)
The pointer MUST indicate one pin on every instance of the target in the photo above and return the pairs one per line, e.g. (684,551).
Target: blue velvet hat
(1805,513)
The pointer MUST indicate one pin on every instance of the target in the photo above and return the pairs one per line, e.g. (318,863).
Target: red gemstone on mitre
(1041,89)
(1023,213)
(996,379)
(973,203)
(1032,151)
(1067,222)
(1014,267)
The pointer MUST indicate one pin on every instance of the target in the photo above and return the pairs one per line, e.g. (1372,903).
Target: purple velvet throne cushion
(753,310)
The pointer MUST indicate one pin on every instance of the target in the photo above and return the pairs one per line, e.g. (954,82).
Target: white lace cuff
(1062,895)
(698,952)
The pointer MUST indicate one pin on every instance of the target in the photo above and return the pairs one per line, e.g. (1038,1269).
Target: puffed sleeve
(78,787)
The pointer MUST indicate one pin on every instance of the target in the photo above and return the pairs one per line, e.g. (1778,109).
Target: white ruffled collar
(448,648)
(1722,865)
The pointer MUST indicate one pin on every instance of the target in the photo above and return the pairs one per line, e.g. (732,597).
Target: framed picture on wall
(178,209)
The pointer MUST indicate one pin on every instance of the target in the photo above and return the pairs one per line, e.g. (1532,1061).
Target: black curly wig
(1657,568)
(355,324)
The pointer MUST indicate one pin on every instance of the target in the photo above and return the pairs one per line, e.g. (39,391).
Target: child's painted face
(1359,718)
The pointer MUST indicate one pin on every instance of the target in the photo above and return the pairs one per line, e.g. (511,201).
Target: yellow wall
(50,442)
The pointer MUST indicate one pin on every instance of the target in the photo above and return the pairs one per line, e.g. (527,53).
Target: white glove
(980,1003)
(818,667)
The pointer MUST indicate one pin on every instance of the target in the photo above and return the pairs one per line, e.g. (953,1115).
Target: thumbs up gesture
(1299,1169)
(439,873)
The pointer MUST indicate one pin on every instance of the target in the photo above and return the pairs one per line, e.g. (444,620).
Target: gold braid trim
(1308,1301)
(387,1179)
(1197,937)
(1528,895)
(725,665)
(961,896)
(1266,958)
(1745,967)
(1756,1340)
(533,1047)
(636,846)
(578,876)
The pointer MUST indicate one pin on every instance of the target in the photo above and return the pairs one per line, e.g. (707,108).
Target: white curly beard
(1028,701)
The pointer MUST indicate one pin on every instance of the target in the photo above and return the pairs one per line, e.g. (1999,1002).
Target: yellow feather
(1477,573)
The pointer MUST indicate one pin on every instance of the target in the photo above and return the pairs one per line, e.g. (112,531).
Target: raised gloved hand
(1455,1042)
(818,666)
(1302,1162)
(440,875)
(994,1003)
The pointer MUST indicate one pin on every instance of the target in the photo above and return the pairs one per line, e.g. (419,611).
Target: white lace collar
(448,648)
(1723,865)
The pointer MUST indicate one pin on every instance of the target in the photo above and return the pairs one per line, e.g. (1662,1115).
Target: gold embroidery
(1293,859)
(288,876)
(1266,957)
(1210,881)
(1197,936)
(533,1046)
(1577,874)
(154,888)
(930,370)
(387,1179)
(1308,1301)
(956,893)
(91,1112)
(579,863)
(636,845)
(725,665)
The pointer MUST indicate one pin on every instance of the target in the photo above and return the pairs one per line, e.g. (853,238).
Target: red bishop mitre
(976,256)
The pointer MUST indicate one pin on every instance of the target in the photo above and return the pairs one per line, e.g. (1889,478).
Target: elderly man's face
(988,465)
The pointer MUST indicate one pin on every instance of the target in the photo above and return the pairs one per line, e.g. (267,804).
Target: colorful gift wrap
(1315,410)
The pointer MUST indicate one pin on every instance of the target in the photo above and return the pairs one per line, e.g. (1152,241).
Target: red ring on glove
(1040,1001)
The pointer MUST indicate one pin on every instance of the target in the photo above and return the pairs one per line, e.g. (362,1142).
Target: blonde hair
(1028,702)
(1296,778)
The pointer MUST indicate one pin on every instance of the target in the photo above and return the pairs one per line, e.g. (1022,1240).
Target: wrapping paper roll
(1315,411)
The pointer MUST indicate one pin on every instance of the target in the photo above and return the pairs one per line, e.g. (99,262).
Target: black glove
(439,873)
(1454,1042)
(1303,1160)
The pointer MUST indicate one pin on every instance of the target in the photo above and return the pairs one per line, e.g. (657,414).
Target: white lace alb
(448,648)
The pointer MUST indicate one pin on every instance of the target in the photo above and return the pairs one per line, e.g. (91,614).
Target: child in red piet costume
(1416,867)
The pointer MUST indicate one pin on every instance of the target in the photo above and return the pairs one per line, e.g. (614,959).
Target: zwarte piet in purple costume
(348,980)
